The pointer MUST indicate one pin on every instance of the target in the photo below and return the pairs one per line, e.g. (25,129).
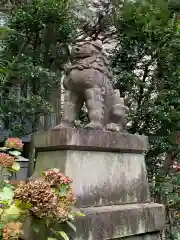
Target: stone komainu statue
(88,81)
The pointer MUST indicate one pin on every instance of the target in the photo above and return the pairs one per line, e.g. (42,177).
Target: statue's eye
(77,49)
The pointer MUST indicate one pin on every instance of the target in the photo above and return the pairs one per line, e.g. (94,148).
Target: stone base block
(129,222)
(89,140)
(100,178)
(146,236)
(109,180)
(126,222)
(107,168)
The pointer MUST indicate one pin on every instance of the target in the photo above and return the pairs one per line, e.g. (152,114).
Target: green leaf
(50,238)
(63,190)
(72,226)
(71,217)
(15,153)
(35,228)
(63,235)
(8,185)
(36,225)
(3,34)
(3,149)
(80,214)
(16,166)
(11,213)
(48,222)
(2,225)
(22,205)
(6,194)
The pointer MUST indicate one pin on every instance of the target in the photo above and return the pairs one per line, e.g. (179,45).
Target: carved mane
(97,59)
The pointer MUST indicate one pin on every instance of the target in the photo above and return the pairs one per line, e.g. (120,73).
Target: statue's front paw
(64,125)
(113,127)
(94,125)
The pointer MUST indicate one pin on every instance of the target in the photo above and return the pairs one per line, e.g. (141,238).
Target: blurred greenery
(35,49)
(146,65)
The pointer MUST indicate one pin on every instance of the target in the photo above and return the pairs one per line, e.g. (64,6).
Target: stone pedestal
(109,180)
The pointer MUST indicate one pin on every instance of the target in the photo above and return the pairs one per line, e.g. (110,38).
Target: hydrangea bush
(47,201)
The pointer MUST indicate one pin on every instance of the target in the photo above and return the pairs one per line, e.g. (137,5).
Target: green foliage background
(34,54)
(146,65)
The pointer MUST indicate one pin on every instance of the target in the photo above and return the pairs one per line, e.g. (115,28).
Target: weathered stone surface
(88,81)
(128,222)
(146,236)
(114,172)
(100,178)
(92,140)
(110,182)
(116,222)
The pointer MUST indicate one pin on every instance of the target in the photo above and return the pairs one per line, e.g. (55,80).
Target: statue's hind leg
(93,99)
(117,116)
(72,106)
